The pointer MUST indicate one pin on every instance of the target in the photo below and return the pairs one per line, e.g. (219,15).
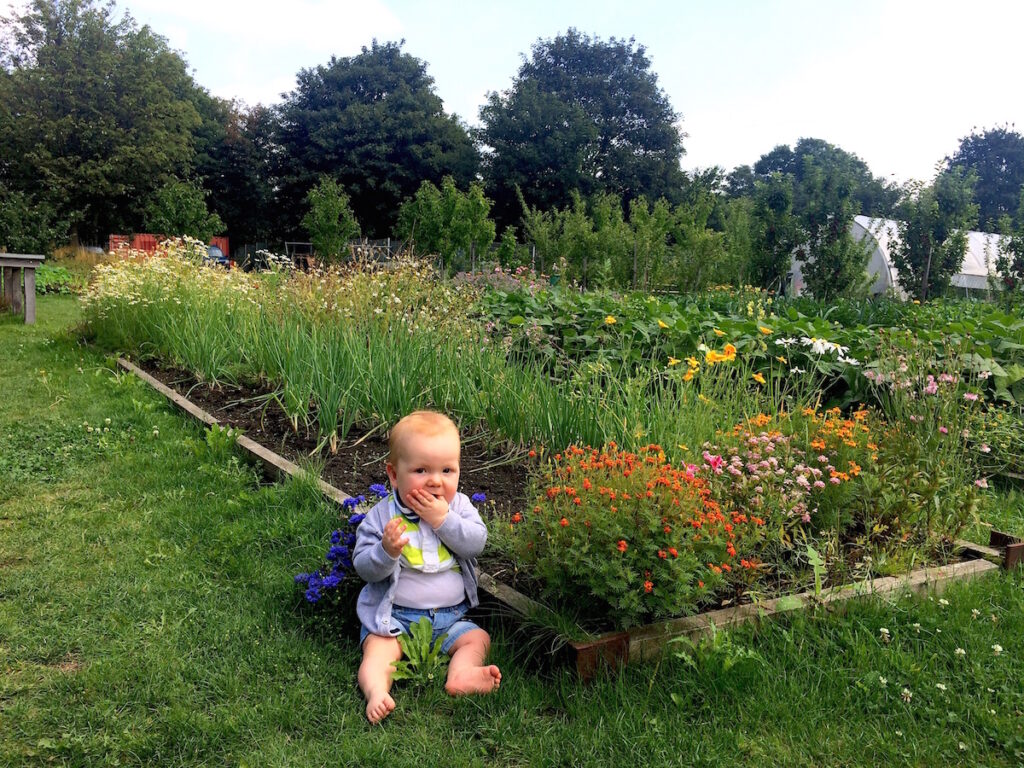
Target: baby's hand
(429,507)
(393,540)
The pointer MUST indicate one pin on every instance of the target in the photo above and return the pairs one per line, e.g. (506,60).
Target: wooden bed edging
(612,649)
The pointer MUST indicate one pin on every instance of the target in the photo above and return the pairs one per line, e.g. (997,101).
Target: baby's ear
(392,475)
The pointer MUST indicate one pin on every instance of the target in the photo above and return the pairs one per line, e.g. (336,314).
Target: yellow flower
(683,447)
(729,352)
(673,361)
(765,331)
(662,323)
(718,332)
(609,320)
(781,359)
(758,378)
(692,362)
(712,357)
(688,376)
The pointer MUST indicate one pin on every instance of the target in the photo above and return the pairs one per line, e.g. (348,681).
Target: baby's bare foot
(474,680)
(379,706)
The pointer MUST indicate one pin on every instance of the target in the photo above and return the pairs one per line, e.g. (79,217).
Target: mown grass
(148,617)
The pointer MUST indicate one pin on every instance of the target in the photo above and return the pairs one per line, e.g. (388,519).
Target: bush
(628,536)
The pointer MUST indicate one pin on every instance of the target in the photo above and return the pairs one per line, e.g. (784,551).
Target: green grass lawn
(148,617)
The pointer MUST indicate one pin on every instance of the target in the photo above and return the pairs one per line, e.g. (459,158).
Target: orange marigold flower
(758,378)
(668,529)
(700,584)
(577,500)
(563,522)
(673,551)
(517,518)
(818,444)
(587,485)
(622,545)
(532,454)
(662,554)
(648,586)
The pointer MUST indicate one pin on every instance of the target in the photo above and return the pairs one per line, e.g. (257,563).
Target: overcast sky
(897,83)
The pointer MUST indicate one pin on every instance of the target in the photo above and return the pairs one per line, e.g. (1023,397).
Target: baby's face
(430,462)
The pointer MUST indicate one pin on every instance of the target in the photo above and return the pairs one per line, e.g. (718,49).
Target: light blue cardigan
(463,532)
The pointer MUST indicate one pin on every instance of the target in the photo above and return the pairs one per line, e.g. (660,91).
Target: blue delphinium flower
(356,519)
(312,594)
(337,552)
(349,539)
(301,578)
(330,582)
(379,489)
(478,498)
(349,503)
(335,537)
(360,499)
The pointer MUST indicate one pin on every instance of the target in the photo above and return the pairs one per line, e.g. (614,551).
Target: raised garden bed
(505,482)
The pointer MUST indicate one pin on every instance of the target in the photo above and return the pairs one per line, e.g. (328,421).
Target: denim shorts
(444,620)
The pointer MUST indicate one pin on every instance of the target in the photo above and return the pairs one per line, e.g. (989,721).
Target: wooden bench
(17,300)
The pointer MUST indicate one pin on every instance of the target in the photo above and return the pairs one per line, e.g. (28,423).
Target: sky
(897,83)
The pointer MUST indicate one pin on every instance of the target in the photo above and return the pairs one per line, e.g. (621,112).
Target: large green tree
(844,171)
(996,156)
(933,225)
(583,115)
(96,114)
(448,222)
(373,123)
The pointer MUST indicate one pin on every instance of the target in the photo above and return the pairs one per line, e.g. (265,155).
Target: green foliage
(933,233)
(374,124)
(424,662)
(715,654)
(27,225)
(583,115)
(54,279)
(835,263)
(448,222)
(178,209)
(329,221)
(996,158)
(775,232)
(217,446)
(98,114)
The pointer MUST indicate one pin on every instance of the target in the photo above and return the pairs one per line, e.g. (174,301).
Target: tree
(95,114)
(582,115)
(775,232)
(1010,261)
(26,225)
(329,221)
(834,262)
(447,221)
(933,233)
(997,158)
(845,171)
(373,123)
(179,209)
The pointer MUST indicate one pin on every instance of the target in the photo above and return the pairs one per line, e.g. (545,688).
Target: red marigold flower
(662,554)
(577,500)
(648,586)
(622,545)
(700,584)
(517,518)
(668,529)
(532,454)
(587,485)
(673,551)
(563,522)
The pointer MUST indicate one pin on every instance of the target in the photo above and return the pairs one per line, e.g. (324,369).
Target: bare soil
(359,460)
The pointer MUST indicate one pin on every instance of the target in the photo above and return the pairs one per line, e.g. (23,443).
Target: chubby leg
(466,671)
(375,675)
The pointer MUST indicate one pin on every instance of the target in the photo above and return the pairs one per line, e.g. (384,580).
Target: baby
(417,551)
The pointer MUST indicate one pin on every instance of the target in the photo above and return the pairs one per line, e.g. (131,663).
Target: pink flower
(834,481)
(916,418)
(715,462)
(981,482)
(943,430)
(970,396)
(806,518)
(985,448)
(819,484)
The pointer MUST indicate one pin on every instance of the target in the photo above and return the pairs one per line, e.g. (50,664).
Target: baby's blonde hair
(427,423)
